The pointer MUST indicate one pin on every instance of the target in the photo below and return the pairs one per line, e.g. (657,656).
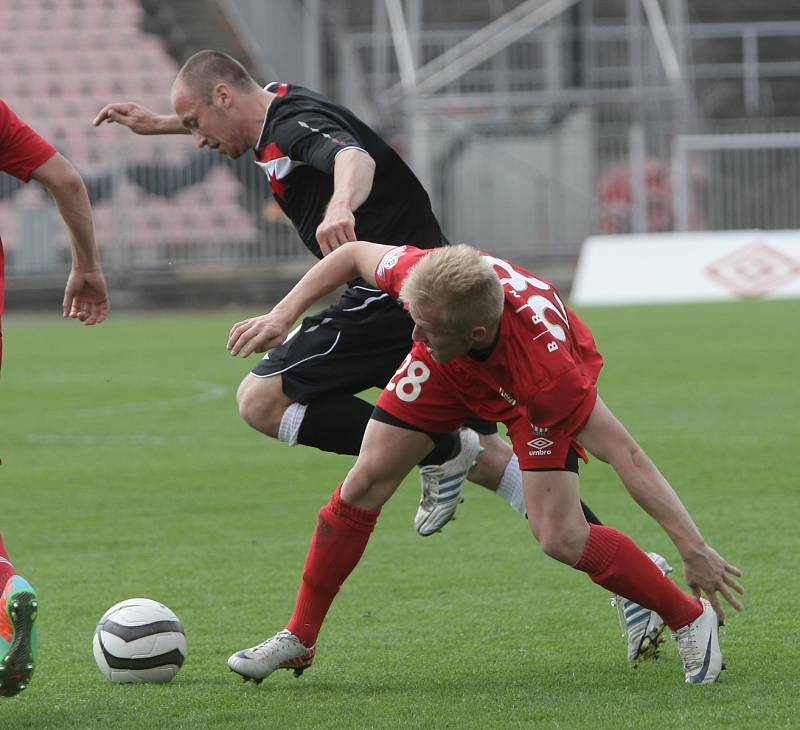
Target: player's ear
(479,332)
(222,94)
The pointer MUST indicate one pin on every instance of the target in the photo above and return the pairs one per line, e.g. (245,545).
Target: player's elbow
(60,178)
(369,164)
(357,162)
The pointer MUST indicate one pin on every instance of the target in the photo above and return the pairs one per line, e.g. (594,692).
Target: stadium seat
(63,61)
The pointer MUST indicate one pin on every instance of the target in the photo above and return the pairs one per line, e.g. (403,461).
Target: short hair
(459,283)
(205,69)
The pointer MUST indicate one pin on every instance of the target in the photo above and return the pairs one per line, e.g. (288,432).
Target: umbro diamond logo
(540,443)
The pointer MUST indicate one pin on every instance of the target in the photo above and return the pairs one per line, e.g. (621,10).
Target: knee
(561,544)
(248,404)
(367,485)
(259,407)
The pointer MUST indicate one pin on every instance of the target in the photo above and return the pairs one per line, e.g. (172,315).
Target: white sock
(290,423)
(510,487)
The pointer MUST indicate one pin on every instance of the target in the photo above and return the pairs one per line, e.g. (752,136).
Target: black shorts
(351,346)
(355,344)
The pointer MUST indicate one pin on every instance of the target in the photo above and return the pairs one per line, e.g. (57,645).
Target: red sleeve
(21,149)
(393,268)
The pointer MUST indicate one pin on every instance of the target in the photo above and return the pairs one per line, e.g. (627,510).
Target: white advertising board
(688,267)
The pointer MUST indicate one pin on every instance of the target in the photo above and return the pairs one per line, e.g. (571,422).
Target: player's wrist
(691,547)
(339,206)
(284,315)
(167,124)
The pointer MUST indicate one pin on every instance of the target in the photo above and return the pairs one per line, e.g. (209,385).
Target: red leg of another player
(6,568)
(337,544)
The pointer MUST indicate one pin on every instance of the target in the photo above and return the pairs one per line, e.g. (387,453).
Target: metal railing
(598,59)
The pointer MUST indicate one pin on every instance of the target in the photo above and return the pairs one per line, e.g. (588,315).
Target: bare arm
(705,570)
(85,296)
(139,119)
(353,174)
(258,334)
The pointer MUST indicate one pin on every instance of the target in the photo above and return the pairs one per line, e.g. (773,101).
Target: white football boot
(642,627)
(698,645)
(282,651)
(442,484)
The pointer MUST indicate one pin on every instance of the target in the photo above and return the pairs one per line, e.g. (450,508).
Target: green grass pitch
(129,473)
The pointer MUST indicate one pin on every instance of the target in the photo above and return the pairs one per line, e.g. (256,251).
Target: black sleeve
(313,137)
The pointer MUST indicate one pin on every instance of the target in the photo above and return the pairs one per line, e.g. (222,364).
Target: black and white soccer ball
(139,640)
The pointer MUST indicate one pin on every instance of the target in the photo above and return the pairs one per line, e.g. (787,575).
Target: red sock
(615,562)
(6,569)
(336,547)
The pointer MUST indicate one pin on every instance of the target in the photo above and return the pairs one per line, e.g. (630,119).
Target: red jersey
(539,380)
(21,152)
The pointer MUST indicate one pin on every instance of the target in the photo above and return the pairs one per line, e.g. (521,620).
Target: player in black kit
(337,181)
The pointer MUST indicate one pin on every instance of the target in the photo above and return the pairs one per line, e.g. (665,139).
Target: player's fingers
(338,238)
(110,112)
(733,583)
(350,232)
(91,312)
(343,236)
(731,598)
(100,312)
(114,115)
(237,325)
(243,337)
(102,115)
(733,569)
(248,349)
(252,345)
(235,336)
(713,599)
(234,345)
(236,328)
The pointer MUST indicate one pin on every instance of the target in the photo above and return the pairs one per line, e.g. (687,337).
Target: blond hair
(459,284)
(205,69)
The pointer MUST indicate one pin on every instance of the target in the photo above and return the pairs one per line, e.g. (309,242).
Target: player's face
(212,125)
(442,342)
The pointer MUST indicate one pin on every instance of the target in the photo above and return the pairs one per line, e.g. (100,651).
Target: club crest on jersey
(506,396)
(276,166)
(390,260)
(540,445)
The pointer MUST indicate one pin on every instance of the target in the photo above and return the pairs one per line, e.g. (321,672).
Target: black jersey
(302,135)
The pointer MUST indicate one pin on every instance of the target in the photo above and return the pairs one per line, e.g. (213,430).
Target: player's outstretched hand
(86,297)
(257,334)
(337,228)
(130,114)
(707,572)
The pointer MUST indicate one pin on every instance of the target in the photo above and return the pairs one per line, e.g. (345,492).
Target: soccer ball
(139,640)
